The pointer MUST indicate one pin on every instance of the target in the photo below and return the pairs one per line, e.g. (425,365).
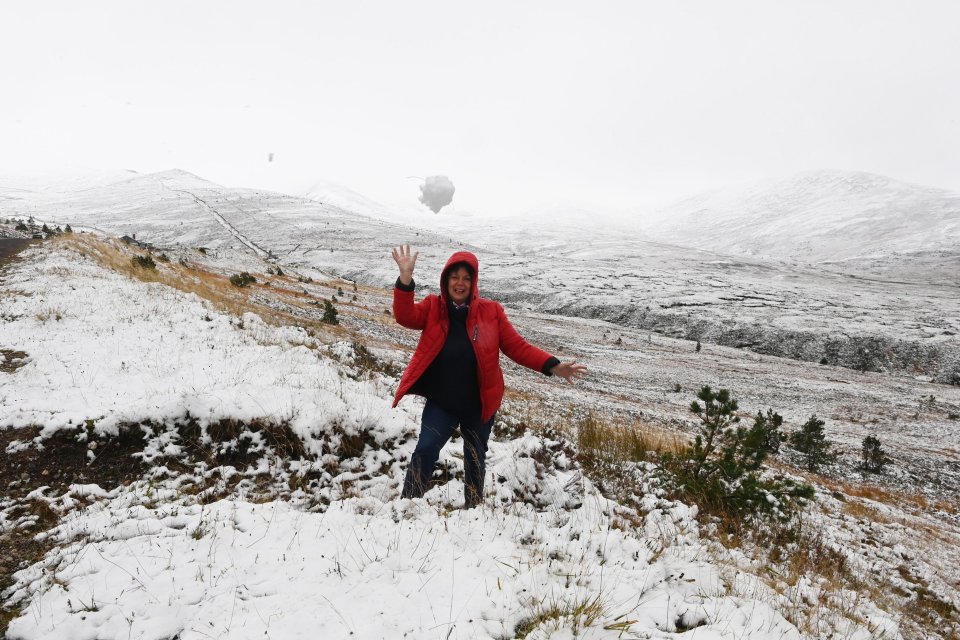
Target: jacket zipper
(476,330)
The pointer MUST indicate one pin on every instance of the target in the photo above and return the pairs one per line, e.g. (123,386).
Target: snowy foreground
(252,551)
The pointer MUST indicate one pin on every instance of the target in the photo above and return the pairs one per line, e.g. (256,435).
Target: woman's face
(459,283)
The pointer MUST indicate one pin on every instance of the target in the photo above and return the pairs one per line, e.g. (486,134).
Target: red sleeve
(407,313)
(516,348)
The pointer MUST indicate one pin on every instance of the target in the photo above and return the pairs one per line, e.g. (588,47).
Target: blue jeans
(436,427)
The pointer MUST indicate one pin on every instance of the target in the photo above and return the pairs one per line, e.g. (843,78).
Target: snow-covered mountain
(570,265)
(815,216)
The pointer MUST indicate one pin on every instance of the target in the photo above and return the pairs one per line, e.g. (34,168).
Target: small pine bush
(722,471)
(143,262)
(769,425)
(329,313)
(811,441)
(68,229)
(242,279)
(874,458)
(21,227)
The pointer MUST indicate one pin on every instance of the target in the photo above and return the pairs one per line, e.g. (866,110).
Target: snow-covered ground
(148,562)
(319,545)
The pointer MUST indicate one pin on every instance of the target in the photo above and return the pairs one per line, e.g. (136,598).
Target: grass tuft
(580,613)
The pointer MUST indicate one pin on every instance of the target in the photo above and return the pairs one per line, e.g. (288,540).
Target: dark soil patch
(11,360)
(65,458)
(228,444)
(58,462)
(10,247)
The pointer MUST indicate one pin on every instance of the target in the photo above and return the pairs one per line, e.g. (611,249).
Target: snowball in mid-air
(436,192)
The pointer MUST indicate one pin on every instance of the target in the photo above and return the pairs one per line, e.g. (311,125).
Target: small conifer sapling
(329,313)
(811,441)
(874,458)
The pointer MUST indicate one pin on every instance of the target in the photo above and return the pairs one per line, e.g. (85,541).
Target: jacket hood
(470,259)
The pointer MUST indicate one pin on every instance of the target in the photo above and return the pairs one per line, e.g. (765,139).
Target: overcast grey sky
(520,103)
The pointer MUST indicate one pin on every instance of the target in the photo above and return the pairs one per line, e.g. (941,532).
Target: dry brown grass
(862,511)
(213,287)
(910,502)
(597,434)
(580,614)
(622,439)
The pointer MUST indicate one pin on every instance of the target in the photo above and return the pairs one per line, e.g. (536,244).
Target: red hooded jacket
(487,326)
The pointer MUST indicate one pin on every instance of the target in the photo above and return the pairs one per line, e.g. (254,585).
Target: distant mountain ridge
(814,216)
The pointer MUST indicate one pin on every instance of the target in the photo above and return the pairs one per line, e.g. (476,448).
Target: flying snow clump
(436,192)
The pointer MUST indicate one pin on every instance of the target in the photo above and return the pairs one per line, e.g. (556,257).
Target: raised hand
(569,371)
(406,262)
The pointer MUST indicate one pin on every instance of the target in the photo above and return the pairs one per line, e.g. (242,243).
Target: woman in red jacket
(456,366)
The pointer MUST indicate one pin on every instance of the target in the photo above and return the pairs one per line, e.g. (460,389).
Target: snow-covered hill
(813,217)
(200,473)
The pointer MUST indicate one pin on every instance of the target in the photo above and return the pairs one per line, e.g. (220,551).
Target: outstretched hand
(406,262)
(569,371)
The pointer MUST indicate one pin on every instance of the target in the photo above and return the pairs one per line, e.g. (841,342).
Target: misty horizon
(627,106)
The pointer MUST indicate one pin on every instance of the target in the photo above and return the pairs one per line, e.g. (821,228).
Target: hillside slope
(262,465)
(815,216)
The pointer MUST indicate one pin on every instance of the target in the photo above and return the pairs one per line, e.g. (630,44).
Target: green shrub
(144,262)
(21,227)
(723,471)
(769,425)
(811,441)
(242,279)
(873,455)
(68,229)
(329,313)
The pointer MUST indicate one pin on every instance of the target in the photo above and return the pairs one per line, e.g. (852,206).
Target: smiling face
(459,284)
